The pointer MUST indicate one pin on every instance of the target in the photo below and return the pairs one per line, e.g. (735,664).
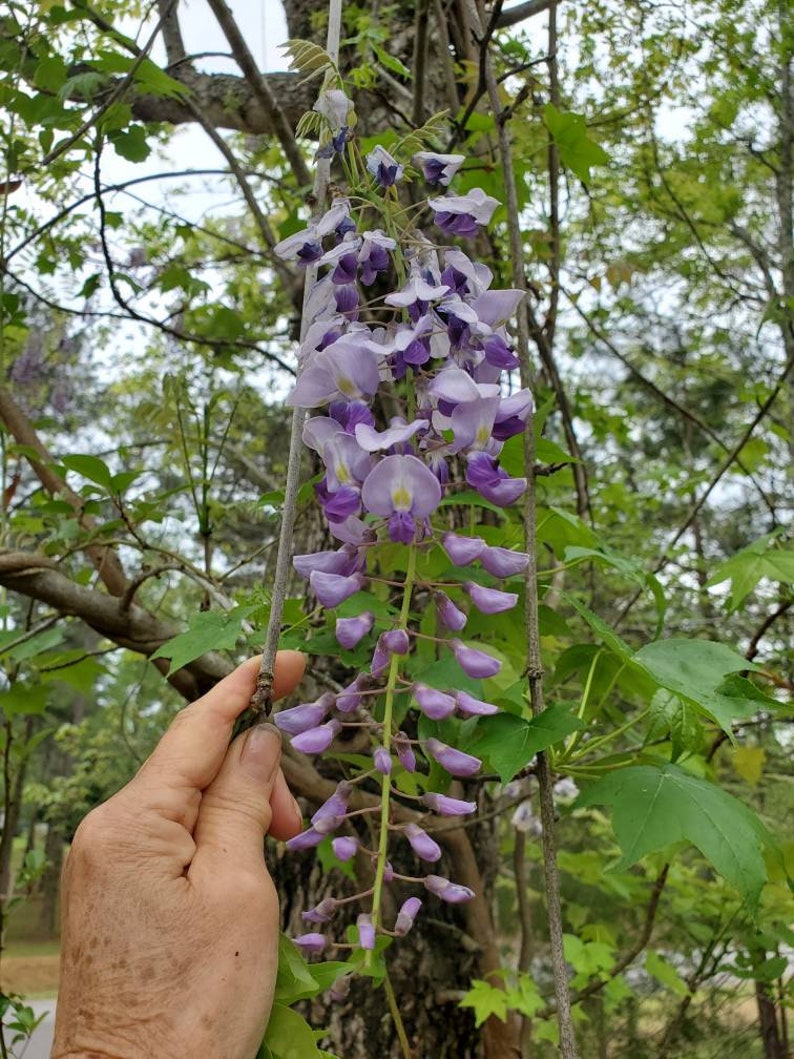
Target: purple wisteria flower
(407,397)
(366,931)
(402,489)
(383,167)
(301,718)
(501,562)
(317,740)
(463,214)
(438,169)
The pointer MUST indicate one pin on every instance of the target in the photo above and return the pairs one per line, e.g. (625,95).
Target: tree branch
(172,34)
(106,561)
(133,627)
(261,88)
(523,11)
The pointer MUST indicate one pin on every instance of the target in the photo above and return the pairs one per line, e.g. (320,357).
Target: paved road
(40,1043)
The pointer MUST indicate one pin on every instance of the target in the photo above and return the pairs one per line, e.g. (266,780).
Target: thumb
(235,811)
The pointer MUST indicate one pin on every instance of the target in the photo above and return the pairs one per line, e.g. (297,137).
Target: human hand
(169,915)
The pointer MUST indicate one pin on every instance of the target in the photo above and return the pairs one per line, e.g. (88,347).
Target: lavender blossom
(463,214)
(307,839)
(422,844)
(386,170)
(402,489)
(333,809)
(462,551)
(449,615)
(394,642)
(333,589)
(491,481)
(438,169)
(382,760)
(321,913)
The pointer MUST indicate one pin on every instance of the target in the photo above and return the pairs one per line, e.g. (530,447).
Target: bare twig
(724,466)
(261,701)
(765,626)
(518,14)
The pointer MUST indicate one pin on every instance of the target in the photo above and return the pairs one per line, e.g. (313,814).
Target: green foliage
(655,807)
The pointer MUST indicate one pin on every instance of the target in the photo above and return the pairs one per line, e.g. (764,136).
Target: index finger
(191,752)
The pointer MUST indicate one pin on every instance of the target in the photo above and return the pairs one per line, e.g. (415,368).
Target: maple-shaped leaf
(509,742)
(486,1000)
(655,807)
(208,630)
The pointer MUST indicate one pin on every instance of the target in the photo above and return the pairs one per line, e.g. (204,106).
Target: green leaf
(289,1035)
(577,151)
(696,670)
(90,467)
(656,807)
(509,742)
(761,559)
(665,973)
(486,1000)
(23,699)
(207,631)
(131,144)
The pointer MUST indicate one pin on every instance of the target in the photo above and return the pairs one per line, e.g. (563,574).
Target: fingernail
(298,813)
(261,753)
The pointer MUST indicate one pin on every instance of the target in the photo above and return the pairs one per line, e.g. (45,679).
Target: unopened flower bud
(462,551)
(490,600)
(310,944)
(345,847)
(446,890)
(404,752)
(449,615)
(301,718)
(317,740)
(501,562)
(366,931)
(471,707)
(382,760)
(406,916)
(446,806)
(456,762)
(321,913)
(474,663)
(349,631)
(422,844)
(434,704)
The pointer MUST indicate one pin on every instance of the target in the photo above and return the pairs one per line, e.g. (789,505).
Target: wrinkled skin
(170,918)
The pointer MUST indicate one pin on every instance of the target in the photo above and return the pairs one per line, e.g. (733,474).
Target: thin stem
(397,1018)
(388,710)
(261,701)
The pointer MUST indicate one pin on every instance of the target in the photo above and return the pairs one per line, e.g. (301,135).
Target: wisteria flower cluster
(436,341)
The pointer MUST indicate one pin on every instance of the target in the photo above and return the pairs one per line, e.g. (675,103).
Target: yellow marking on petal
(347,386)
(401,498)
(343,475)
(483,434)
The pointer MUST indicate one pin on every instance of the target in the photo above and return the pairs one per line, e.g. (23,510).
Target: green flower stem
(388,709)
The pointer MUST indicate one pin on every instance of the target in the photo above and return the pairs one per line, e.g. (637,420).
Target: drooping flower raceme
(437,342)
